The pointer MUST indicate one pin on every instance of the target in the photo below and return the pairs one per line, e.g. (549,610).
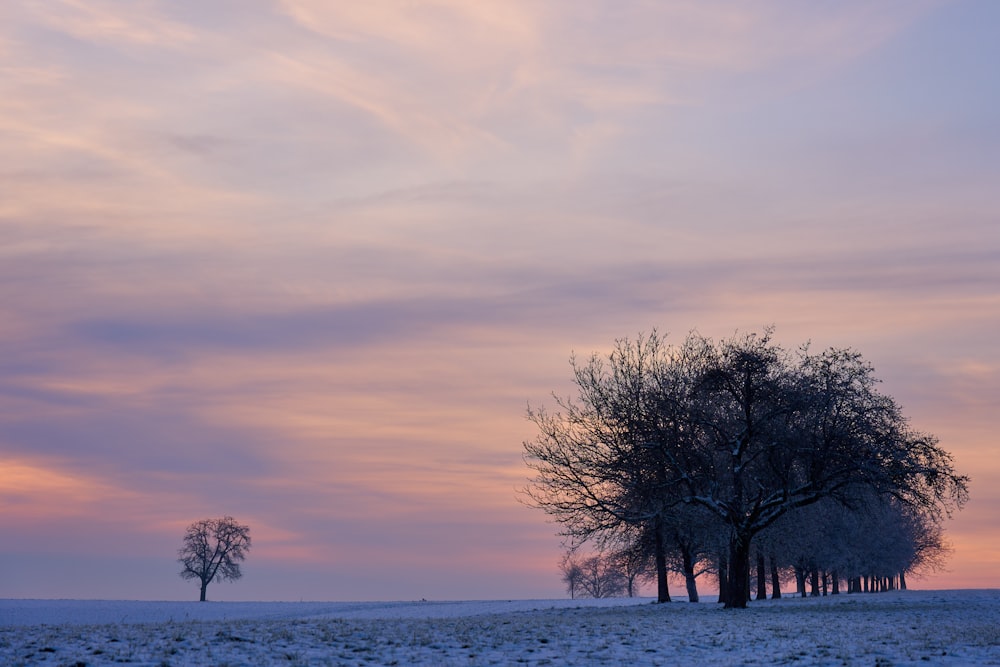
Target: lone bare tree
(214,547)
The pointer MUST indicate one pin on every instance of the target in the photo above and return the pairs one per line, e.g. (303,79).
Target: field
(898,628)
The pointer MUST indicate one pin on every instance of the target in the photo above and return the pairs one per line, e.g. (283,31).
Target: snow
(897,628)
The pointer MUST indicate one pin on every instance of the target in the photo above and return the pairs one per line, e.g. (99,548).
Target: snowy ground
(901,628)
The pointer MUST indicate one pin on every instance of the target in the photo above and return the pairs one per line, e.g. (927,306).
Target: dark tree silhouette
(214,548)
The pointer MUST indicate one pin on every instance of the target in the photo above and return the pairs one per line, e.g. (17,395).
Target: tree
(740,428)
(214,548)
(634,564)
(693,536)
(785,431)
(601,577)
(598,575)
(572,574)
(599,472)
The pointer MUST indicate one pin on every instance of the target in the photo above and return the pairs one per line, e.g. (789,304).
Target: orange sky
(306,263)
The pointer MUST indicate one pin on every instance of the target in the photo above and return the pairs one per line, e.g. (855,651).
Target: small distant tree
(601,577)
(572,574)
(214,548)
(635,565)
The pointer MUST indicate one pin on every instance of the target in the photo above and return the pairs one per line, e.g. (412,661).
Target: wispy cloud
(108,23)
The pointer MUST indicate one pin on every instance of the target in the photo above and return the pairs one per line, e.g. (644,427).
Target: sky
(307,263)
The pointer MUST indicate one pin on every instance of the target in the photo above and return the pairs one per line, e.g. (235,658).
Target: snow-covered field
(899,628)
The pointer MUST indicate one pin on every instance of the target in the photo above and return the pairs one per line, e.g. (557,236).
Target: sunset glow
(306,263)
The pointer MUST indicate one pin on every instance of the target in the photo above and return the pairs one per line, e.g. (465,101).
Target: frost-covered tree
(214,548)
(873,538)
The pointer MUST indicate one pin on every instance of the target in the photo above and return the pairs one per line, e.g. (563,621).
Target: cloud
(104,22)
(32,491)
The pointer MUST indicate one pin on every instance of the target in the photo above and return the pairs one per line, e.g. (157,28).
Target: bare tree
(600,471)
(634,563)
(572,574)
(694,536)
(598,575)
(214,548)
(601,577)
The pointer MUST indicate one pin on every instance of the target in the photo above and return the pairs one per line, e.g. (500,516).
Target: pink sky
(306,263)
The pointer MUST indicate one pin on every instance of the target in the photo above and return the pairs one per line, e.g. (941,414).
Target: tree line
(825,549)
(745,460)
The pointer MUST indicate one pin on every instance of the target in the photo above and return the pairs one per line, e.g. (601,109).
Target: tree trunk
(902,581)
(835,580)
(761,578)
(662,592)
(689,580)
(814,583)
(204,589)
(723,577)
(775,580)
(739,572)
(800,581)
